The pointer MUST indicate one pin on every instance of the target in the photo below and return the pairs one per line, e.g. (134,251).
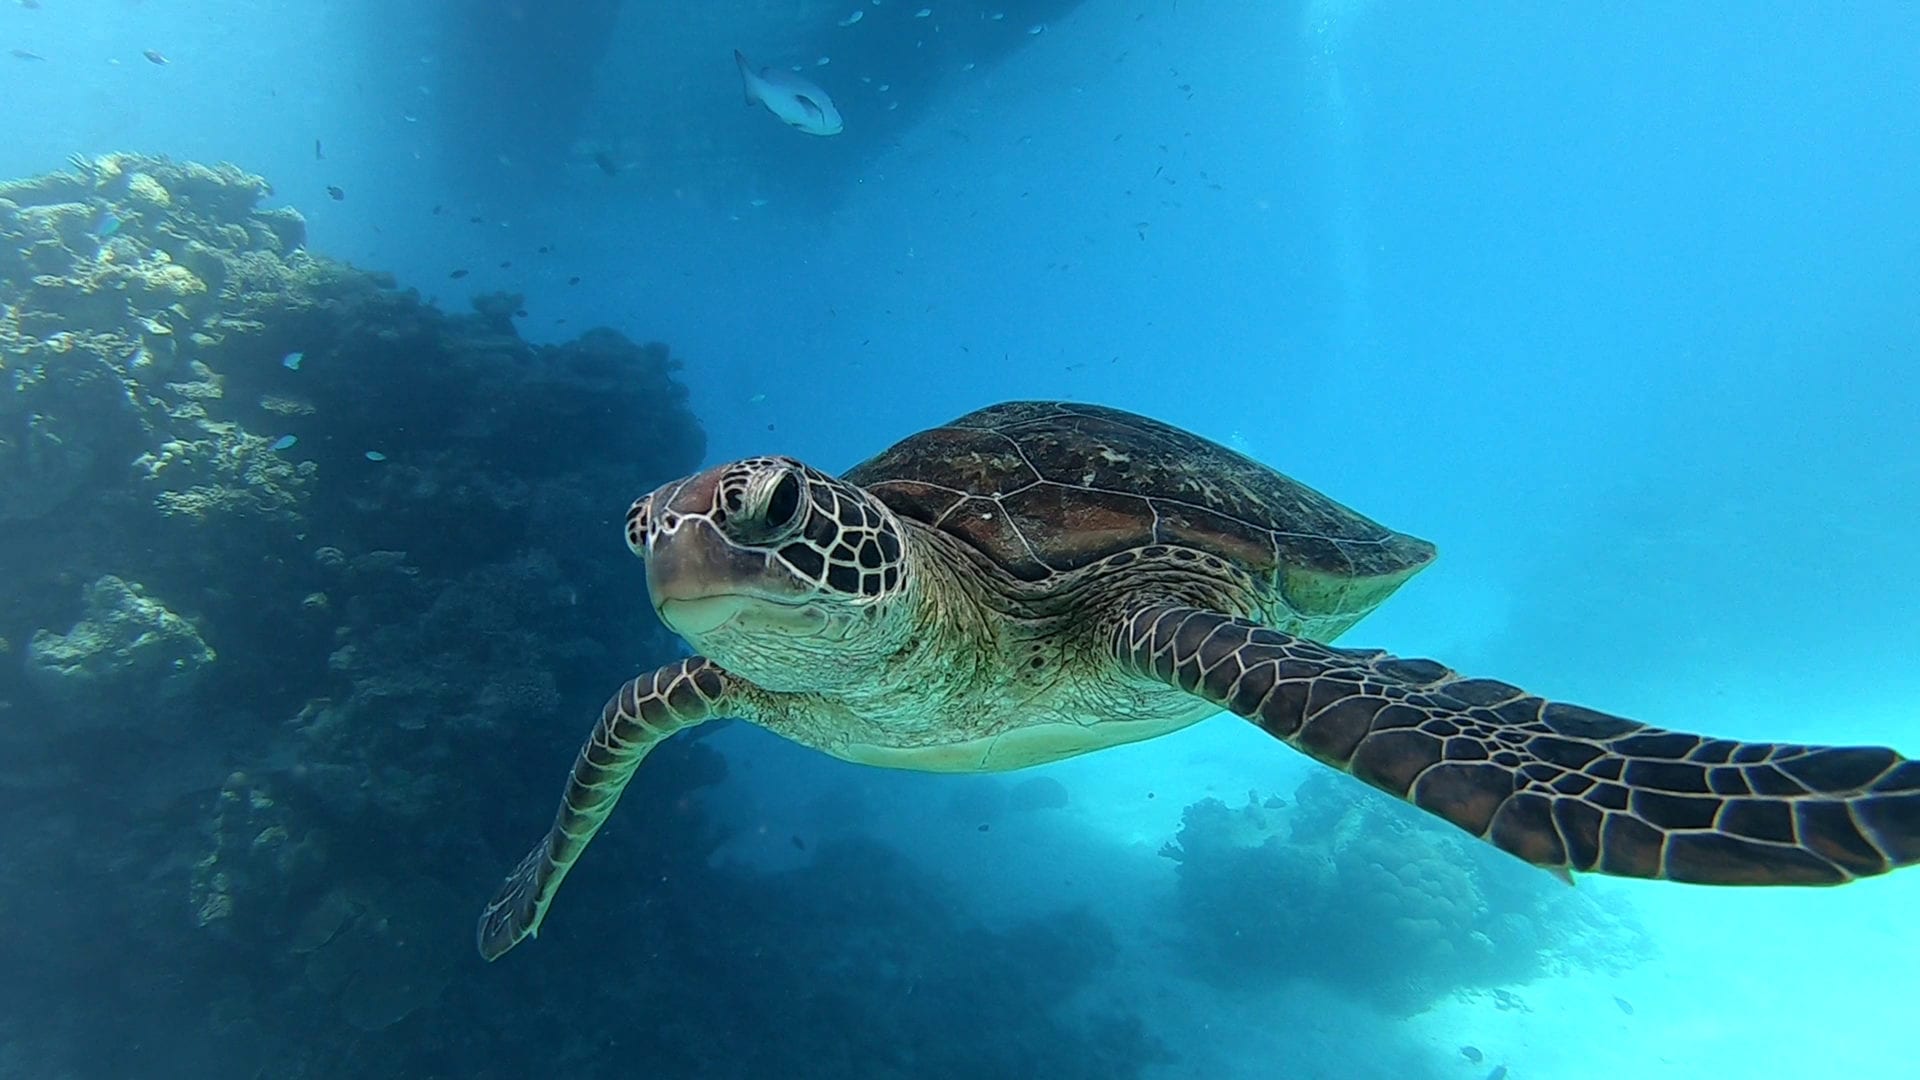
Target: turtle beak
(696,578)
(701,581)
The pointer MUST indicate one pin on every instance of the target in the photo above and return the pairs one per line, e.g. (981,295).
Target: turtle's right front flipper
(644,712)
(1560,786)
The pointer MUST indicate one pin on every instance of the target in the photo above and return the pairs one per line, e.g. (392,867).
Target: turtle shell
(1042,488)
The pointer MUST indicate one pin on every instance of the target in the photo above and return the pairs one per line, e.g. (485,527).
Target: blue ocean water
(1615,306)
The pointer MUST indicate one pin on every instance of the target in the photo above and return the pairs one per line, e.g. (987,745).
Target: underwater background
(337,337)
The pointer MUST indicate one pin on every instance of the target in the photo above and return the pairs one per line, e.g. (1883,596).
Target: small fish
(457,274)
(375,455)
(573,281)
(984,826)
(792,98)
(506,263)
(336,194)
(107,224)
(291,361)
(606,163)
(853,18)
(317,155)
(1625,1005)
(799,843)
(756,399)
(285,442)
(436,208)
(1499,1073)
(30,5)
(1472,1054)
(476,220)
(22,54)
(154,56)
(923,13)
(544,249)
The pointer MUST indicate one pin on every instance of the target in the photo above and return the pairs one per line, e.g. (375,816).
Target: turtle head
(777,571)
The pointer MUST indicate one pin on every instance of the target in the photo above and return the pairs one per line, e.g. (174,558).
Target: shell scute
(1046,487)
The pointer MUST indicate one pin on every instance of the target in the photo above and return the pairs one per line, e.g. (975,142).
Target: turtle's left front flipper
(642,714)
(1557,785)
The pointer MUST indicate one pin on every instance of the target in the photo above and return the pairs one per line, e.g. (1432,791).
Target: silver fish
(790,97)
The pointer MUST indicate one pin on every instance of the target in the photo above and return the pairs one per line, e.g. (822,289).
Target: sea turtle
(1036,580)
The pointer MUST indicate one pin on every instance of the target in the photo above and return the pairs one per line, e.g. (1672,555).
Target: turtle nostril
(783,502)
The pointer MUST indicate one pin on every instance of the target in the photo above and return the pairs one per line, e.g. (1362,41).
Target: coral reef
(1353,889)
(156,431)
(126,646)
(312,590)
(117,275)
(287,626)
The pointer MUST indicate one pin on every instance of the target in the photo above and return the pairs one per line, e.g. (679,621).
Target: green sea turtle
(1036,580)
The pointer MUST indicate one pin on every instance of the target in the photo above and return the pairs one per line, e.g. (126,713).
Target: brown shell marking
(1044,487)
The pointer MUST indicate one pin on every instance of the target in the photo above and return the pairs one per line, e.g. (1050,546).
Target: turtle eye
(783,504)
